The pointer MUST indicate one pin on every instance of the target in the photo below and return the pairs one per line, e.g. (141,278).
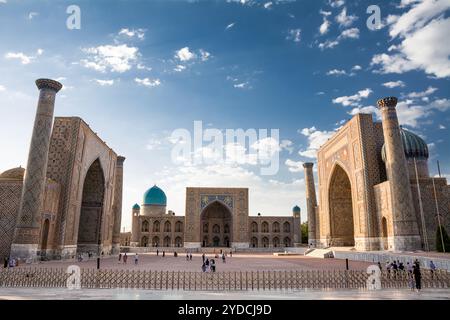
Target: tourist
(417,276)
(394,266)
(125,258)
(223,258)
(136,259)
(207,263)
(190,256)
(164,253)
(432,267)
(157,252)
(213,265)
(175,254)
(5,263)
(203,267)
(379,265)
(409,269)
(388,267)
(203,258)
(400,266)
(120,257)
(231,253)
(187,256)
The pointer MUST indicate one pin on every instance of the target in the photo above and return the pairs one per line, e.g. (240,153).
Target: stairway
(319,253)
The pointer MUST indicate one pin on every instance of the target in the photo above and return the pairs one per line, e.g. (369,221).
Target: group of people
(124,258)
(210,264)
(413,269)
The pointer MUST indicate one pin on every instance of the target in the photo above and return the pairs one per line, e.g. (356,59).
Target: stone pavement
(239,262)
(134,294)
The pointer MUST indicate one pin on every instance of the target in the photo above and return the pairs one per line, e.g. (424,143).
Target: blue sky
(138,70)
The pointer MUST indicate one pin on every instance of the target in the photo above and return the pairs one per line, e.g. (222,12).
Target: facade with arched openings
(215,217)
(81,201)
(374,188)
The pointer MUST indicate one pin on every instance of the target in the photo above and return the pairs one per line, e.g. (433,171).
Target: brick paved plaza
(239,262)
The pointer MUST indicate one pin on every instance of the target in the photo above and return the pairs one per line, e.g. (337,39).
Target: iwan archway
(216,225)
(342,228)
(91,212)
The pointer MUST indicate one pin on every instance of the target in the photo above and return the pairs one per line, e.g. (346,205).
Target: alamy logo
(229,146)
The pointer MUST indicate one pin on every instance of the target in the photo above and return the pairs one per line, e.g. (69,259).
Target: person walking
(120,257)
(125,258)
(231,253)
(223,258)
(157,252)
(213,265)
(164,253)
(203,267)
(409,269)
(187,256)
(5,263)
(136,259)
(379,265)
(203,257)
(432,268)
(190,256)
(417,277)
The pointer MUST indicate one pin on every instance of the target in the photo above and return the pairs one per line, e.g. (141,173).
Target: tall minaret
(135,226)
(311,202)
(117,206)
(26,235)
(406,232)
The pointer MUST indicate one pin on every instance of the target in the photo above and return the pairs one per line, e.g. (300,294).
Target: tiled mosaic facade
(74,211)
(215,217)
(368,204)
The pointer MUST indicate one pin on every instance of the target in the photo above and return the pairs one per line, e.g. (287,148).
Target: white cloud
(243,85)
(442,127)
(352,33)
(231,25)
(345,20)
(325,26)
(368,109)
(336,3)
(328,44)
(179,68)
(287,145)
(353,100)
(24,59)
(131,33)
(31,15)
(104,83)
(394,84)
(2,88)
(316,139)
(119,58)
(427,92)
(356,68)
(294,35)
(268,5)
(148,82)
(294,166)
(440,105)
(184,54)
(336,72)
(423,31)
(140,66)
(204,55)
(40,52)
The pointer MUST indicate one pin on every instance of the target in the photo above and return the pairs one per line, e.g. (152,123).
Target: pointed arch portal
(218,221)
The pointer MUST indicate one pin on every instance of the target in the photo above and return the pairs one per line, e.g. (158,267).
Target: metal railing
(220,281)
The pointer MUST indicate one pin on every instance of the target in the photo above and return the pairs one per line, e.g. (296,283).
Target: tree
(304,230)
(439,241)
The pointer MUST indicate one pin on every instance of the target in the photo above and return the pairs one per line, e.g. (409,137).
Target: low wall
(383,257)
(181,250)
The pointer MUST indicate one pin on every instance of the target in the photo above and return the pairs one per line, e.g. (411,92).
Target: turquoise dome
(296,209)
(155,196)
(136,206)
(414,146)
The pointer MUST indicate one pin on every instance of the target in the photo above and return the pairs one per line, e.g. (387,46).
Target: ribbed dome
(414,146)
(136,206)
(155,196)
(15,173)
(296,209)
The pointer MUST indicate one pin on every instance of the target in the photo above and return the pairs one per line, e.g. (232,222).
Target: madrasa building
(375,190)
(68,199)
(214,217)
